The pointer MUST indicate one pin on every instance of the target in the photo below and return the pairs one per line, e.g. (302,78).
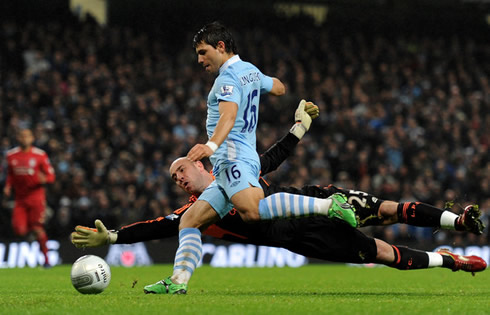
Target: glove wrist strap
(298,130)
(111,238)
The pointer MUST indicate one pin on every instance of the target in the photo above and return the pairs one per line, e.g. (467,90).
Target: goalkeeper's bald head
(189,175)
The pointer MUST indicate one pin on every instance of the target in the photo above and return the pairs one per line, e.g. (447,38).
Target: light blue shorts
(216,197)
(233,177)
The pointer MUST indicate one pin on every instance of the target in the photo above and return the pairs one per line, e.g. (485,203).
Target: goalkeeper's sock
(188,255)
(421,214)
(408,259)
(285,205)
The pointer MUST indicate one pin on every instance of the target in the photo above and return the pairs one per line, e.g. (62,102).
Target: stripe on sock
(284,205)
(311,204)
(189,252)
(264,206)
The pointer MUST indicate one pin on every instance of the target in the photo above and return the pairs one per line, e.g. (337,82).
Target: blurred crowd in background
(404,118)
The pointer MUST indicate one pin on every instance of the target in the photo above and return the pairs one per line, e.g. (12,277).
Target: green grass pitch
(313,289)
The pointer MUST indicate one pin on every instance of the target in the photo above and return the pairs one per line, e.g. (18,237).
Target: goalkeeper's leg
(371,210)
(425,215)
(404,258)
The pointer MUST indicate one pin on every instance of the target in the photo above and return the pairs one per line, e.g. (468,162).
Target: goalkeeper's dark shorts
(324,238)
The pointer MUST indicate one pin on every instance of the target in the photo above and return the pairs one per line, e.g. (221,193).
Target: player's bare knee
(388,211)
(188,220)
(200,216)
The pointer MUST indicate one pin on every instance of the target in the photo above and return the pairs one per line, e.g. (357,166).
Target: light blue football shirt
(242,83)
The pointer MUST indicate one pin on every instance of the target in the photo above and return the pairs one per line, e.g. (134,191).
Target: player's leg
(414,213)
(323,238)
(286,205)
(36,218)
(189,252)
(246,202)
(404,258)
(19,219)
(240,182)
(425,215)
(371,210)
(42,239)
(252,206)
(198,217)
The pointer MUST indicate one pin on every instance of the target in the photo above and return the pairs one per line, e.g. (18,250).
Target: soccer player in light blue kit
(233,107)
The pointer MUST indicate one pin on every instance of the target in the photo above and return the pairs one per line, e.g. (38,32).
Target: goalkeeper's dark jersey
(316,236)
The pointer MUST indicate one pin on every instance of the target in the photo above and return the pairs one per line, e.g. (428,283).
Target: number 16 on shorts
(238,176)
(233,175)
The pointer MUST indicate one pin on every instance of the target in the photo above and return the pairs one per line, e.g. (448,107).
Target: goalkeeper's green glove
(92,237)
(303,116)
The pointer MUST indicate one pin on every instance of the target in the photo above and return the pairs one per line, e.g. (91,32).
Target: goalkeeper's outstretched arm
(282,149)
(137,232)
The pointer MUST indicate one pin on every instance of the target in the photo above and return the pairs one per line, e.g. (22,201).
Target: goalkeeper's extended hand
(303,116)
(90,237)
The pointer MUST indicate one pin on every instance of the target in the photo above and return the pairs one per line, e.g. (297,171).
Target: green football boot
(166,286)
(342,210)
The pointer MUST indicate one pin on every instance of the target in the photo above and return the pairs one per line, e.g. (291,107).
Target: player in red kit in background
(29,170)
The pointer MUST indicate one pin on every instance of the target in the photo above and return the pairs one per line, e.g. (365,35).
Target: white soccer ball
(90,274)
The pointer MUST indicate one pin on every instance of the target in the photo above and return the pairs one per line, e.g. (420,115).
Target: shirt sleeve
(229,90)
(267,84)
(275,155)
(148,230)
(47,169)
(161,227)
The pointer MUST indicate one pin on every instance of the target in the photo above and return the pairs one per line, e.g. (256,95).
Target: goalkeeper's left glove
(90,237)
(303,116)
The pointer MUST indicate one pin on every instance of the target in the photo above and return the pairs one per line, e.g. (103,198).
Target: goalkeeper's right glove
(303,116)
(90,237)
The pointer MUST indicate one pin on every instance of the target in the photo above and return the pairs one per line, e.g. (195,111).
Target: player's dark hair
(212,33)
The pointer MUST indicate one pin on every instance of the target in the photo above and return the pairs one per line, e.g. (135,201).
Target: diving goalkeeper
(317,236)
